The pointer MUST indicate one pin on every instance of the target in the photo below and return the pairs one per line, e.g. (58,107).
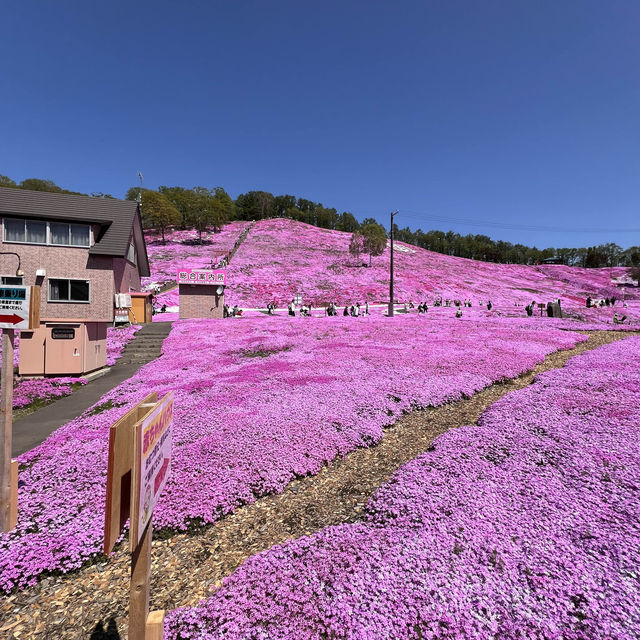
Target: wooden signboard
(120,470)
(19,307)
(152,464)
(138,467)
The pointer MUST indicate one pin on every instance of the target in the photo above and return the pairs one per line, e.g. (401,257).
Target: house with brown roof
(81,251)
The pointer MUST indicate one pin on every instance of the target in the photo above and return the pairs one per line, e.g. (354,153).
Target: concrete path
(33,429)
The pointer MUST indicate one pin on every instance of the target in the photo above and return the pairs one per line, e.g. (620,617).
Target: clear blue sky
(513,112)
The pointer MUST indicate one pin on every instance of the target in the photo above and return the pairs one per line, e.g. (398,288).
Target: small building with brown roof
(81,251)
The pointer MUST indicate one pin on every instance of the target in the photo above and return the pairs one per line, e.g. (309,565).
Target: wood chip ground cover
(93,603)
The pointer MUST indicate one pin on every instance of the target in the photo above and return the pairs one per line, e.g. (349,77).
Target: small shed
(141,310)
(201,293)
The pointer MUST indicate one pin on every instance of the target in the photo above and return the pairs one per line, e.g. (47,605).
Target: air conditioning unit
(123,300)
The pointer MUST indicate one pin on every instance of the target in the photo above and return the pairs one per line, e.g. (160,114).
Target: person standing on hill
(346,311)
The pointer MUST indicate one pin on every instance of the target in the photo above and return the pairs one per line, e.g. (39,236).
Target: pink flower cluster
(280,258)
(182,250)
(117,339)
(259,401)
(525,526)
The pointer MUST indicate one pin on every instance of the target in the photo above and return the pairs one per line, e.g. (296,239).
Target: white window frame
(132,249)
(49,299)
(3,284)
(48,242)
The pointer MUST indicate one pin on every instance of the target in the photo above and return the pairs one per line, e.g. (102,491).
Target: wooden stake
(139,592)
(13,509)
(6,433)
(155,625)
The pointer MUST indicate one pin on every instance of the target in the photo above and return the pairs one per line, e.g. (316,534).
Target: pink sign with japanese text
(201,276)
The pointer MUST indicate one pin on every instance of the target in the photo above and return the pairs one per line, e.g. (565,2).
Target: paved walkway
(30,431)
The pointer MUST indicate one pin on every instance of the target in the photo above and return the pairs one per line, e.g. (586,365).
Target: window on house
(14,230)
(11,281)
(59,233)
(36,231)
(131,253)
(79,235)
(63,290)
(42,232)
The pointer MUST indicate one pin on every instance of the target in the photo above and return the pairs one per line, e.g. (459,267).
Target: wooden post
(139,592)
(142,624)
(125,464)
(155,625)
(13,512)
(8,493)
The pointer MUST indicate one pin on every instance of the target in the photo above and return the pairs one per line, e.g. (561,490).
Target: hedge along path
(93,601)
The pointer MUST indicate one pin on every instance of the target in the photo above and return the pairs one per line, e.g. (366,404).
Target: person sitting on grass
(618,320)
(489,305)
(459,313)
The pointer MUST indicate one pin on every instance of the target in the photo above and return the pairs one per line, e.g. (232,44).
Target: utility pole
(140,189)
(390,313)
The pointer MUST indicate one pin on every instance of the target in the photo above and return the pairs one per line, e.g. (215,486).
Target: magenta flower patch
(258,402)
(525,526)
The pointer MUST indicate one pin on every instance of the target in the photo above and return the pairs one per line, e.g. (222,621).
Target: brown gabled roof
(116,217)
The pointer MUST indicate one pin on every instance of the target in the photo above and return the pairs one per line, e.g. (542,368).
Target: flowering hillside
(182,249)
(280,258)
(257,403)
(525,526)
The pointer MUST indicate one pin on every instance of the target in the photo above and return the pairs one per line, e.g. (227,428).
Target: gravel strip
(93,602)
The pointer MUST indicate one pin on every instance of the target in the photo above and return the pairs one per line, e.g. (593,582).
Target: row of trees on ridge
(205,209)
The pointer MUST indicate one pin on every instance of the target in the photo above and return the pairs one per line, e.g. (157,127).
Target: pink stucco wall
(200,301)
(126,276)
(105,274)
(41,354)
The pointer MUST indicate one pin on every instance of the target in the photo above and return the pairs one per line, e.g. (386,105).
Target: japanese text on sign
(201,276)
(154,458)
(16,307)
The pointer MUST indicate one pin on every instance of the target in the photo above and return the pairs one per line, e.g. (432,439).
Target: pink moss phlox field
(280,258)
(258,401)
(181,250)
(30,390)
(525,526)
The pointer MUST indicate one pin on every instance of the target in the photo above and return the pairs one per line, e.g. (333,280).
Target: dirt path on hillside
(93,602)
